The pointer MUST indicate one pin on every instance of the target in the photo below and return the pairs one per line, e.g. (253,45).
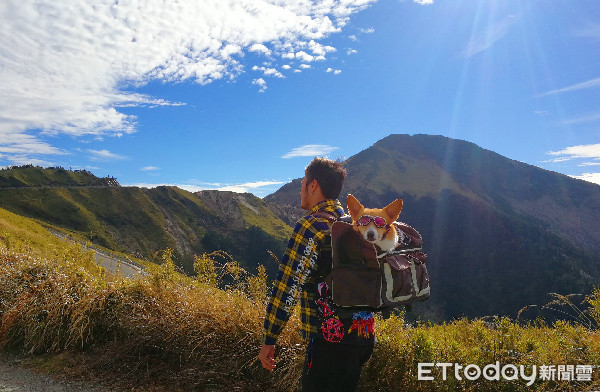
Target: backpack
(363,277)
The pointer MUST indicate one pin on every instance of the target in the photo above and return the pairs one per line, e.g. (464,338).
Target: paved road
(112,263)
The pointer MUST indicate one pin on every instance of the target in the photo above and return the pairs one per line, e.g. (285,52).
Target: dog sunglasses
(366,219)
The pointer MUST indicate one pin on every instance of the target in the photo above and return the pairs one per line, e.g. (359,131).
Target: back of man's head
(329,174)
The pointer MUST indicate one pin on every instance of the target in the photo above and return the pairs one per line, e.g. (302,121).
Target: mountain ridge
(142,221)
(500,234)
(28,176)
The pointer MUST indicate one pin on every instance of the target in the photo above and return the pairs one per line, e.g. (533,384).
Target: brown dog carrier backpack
(361,276)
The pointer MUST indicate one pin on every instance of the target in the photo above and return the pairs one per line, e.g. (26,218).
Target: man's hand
(267,356)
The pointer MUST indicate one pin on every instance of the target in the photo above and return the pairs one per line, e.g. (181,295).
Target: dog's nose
(370,236)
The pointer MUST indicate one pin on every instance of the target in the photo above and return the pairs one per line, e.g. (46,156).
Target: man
(337,345)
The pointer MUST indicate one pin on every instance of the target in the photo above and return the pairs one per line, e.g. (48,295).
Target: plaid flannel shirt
(298,267)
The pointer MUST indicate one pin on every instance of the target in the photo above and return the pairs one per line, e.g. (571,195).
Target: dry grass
(480,342)
(170,332)
(165,329)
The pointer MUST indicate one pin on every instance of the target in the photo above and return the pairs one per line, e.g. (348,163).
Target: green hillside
(20,232)
(35,176)
(141,221)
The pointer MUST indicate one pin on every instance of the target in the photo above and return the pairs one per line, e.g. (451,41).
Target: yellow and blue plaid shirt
(298,270)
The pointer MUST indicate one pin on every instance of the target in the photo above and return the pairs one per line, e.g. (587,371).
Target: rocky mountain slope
(500,234)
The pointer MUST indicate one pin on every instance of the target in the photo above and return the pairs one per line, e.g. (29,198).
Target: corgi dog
(374,224)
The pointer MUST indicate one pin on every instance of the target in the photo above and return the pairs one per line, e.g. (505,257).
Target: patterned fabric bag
(341,325)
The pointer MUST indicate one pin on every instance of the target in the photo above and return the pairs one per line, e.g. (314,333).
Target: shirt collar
(329,205)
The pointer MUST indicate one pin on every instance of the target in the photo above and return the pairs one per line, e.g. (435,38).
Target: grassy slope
(143,221)
(261,216)
(37,176)
(16,231)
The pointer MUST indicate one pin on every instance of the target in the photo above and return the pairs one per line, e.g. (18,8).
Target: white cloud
(268,71)
(23,149)
(260,48)
(423,2)
(481,41)
(21,143)
(20,160)
(150,168)
(310,150)
(286,66)
(260,82)
(362,30)
(351,51)
(575,87)
(249,186)
(335,71)
(557,160)
(303,56)
(577,152)
(590,177)
(588,151)
(187,187)
(319,49)
(104,155)
(252,187)
(67,67)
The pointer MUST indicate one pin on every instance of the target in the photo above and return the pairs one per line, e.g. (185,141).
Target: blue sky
(241,95)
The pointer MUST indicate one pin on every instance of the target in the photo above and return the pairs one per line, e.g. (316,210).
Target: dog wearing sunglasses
(374,224)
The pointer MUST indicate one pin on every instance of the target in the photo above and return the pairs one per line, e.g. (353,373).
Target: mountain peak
(499,230)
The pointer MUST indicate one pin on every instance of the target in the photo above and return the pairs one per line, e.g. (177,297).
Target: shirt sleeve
(297,263)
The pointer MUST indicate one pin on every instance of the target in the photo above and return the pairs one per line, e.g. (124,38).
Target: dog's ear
(354,207)
(393,209)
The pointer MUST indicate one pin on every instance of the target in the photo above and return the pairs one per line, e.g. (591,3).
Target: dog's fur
(371,232)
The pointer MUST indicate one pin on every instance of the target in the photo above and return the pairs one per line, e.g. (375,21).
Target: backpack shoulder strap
(326,215)
(324,267)
(332,218)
